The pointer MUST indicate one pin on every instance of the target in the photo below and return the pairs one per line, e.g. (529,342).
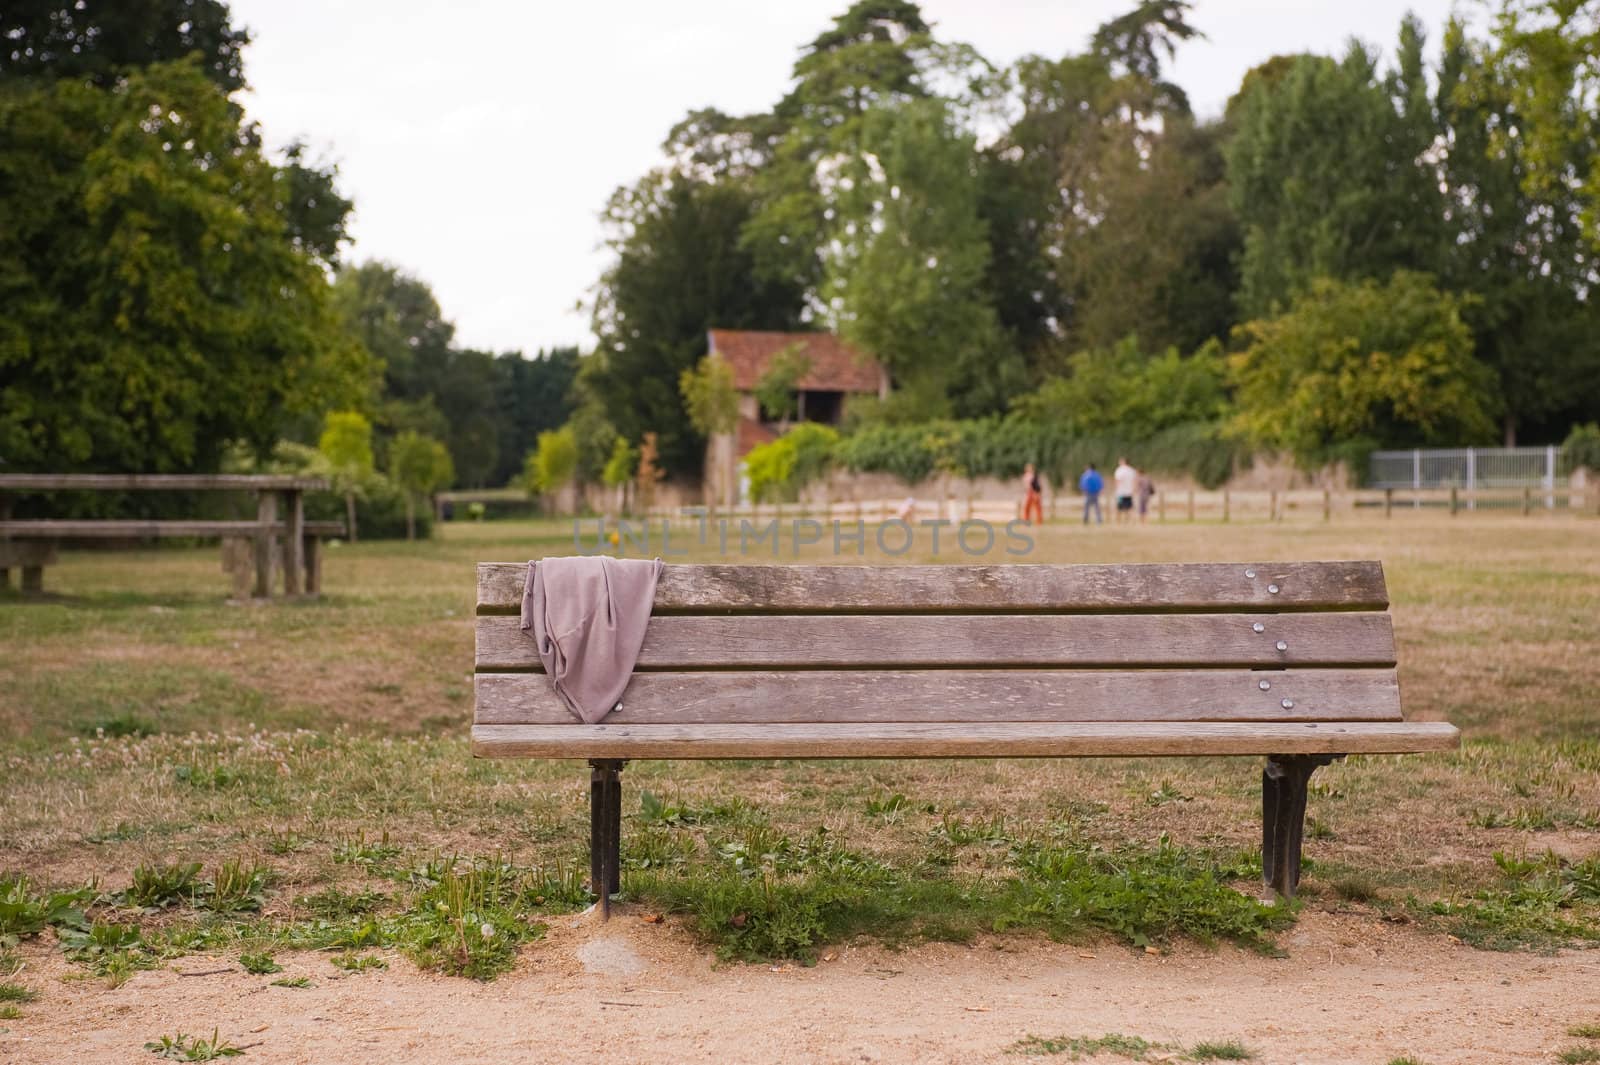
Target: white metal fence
(1469,467)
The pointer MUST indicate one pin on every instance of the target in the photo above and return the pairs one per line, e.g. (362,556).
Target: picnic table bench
(251,549)
(1294,661)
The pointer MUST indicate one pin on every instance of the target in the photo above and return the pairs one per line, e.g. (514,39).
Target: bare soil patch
(1349,992)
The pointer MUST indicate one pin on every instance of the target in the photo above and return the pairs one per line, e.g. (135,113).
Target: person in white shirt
(1126,479)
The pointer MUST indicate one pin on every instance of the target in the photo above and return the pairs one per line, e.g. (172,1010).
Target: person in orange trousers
(1032,505)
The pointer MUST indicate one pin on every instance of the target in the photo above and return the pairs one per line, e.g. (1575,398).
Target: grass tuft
(472,917)
(351,962)
(1544,903)
(261,964)
(182,1047)
(771,896)
(17,993)
(1231,1050)
(159,886)
(237,887)
(1131,1047)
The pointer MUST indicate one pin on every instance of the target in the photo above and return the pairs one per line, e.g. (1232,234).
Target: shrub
(1124,390)
(1393,361)
(999,447)
(553,463)
(380,505)
(781,468)
(1582,446)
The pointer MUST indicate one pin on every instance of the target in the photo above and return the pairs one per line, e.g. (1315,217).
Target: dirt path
(1352,992)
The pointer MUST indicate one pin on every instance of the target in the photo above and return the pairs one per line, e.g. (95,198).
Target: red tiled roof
(835,365)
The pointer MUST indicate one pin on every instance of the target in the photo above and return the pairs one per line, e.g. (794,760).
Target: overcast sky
(480,139)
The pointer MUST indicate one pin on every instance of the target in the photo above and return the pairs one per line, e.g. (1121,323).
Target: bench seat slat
(970,740)
(959,695)
(862,641)
(1145,587)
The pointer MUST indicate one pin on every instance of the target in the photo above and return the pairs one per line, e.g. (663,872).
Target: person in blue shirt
(1090,485)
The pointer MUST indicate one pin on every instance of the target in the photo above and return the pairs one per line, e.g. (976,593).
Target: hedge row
(999,447)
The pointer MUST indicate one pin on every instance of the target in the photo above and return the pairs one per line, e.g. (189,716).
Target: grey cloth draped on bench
(587,616)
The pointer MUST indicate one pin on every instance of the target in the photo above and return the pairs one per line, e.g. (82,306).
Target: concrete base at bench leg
(1284,784)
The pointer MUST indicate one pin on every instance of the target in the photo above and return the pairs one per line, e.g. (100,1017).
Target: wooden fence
(1222,505)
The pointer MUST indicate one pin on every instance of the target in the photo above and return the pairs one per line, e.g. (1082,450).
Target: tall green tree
(1548,53)
(346,444)
(158,307)
(553,463)
(466,392)
(533,395)
(709,397)
(1518,244)
(1324,174)
(1105,199)
(420,466)
(396,317)
(679,270)
(486,408)
(905,271)
(874,55)
(100,42)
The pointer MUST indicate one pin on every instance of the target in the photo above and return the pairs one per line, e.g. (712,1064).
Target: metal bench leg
(1283,813)
(605,830)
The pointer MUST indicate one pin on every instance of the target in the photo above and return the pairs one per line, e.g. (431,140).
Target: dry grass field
(188,782)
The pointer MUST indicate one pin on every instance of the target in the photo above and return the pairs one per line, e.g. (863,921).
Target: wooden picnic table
(32,544)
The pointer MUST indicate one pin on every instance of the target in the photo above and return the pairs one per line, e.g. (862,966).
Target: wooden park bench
(256,552)
(1294,661)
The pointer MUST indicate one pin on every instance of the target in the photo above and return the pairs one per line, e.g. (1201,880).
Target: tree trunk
(1511,430)
(411,517)
(350,515)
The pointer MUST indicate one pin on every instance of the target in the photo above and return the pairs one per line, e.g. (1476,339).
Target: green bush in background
(1582,446)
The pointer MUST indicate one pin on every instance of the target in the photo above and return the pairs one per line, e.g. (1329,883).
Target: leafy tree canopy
(554,462)
(679,270)
(1390,363)
(158,304)
(1123,389)
(775,391)
(709,397)
(100,41)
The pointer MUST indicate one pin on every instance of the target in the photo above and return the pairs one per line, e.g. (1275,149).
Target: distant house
(836,372)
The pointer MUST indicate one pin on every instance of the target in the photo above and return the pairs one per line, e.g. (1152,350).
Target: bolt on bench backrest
(922,660)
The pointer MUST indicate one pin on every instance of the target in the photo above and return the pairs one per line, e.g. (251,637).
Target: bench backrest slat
(961,695)
(1074,641)
(1150,588)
